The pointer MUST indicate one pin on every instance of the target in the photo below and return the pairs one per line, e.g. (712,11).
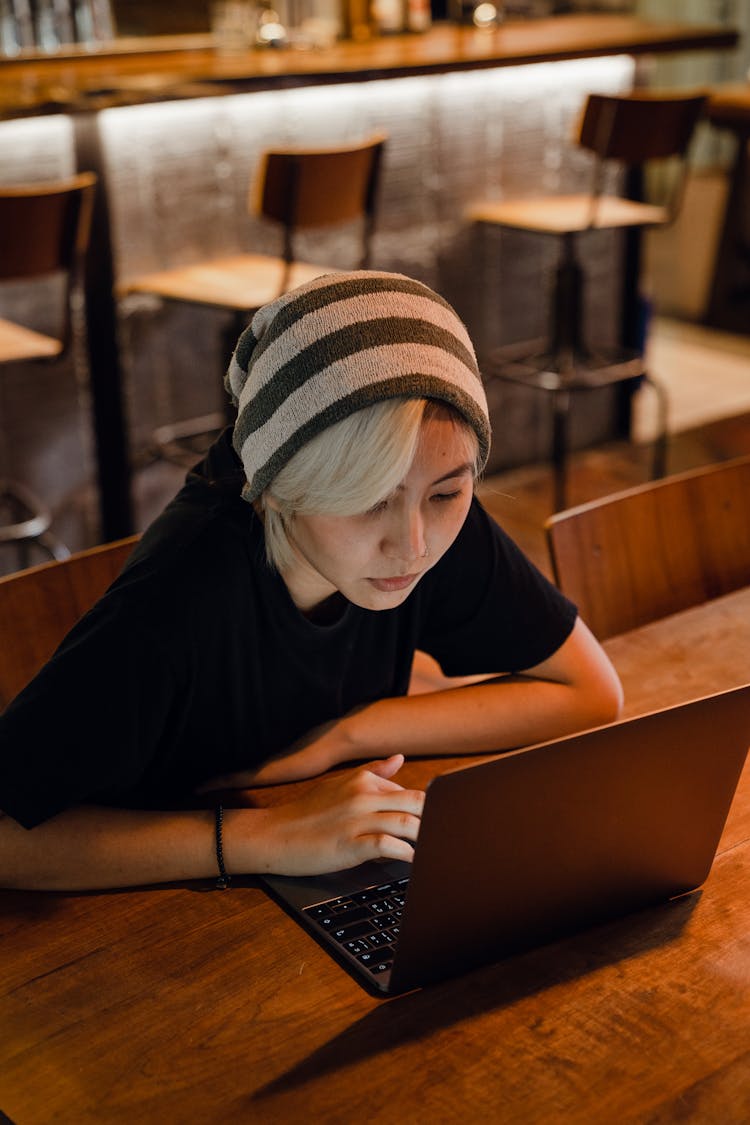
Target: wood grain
(40,605)
(641,554)
(184,1004)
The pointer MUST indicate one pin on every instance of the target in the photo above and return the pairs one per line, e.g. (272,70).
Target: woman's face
(376,559)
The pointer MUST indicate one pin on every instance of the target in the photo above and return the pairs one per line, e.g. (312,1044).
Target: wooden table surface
(182,1004)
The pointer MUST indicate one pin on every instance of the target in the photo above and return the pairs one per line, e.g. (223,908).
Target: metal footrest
(185,443)
(25,519)
(530,364)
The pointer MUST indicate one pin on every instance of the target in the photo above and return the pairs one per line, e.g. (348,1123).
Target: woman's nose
(405,540)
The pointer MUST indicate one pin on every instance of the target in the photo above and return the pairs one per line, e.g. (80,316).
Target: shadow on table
(411,1017)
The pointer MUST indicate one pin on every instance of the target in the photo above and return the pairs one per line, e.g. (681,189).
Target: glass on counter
(233,24)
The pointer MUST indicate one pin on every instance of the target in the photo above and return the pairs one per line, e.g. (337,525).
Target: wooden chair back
(306,188)
(40,605)
(44,229)
(636,129)
(650,551)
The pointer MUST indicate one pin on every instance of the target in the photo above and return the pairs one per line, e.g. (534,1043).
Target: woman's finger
(386,767)
(403,825)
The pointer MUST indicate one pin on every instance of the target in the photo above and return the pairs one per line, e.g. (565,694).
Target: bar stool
(297,189)
(44,231)
(635,131)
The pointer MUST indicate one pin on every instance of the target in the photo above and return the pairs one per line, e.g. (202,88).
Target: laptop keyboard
(365,924)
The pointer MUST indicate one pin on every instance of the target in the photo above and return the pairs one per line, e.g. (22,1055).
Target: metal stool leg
(560,412)
(659,464)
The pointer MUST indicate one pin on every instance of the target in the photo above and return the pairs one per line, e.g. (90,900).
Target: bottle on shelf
(356,20)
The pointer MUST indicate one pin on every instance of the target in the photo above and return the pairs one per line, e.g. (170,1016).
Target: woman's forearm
(334,823)
(496,715)
(577,688)
(90,847)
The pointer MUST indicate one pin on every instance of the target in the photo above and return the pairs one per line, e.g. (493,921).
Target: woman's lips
(391,585)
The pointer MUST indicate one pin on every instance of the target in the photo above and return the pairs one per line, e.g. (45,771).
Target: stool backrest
(642,554)
(305,188)
(44,229)
(635,129)
(40,605)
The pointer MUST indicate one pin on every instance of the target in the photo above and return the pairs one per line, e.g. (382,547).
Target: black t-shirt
(196,662)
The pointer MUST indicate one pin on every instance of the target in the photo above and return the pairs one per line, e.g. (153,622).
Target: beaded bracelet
(223,879)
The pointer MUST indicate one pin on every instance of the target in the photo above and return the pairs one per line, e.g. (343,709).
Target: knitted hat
(335,345)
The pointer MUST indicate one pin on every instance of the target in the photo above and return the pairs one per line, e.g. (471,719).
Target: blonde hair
(350,467)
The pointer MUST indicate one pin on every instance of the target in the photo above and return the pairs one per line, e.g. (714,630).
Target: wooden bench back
(642,554)
(40,605)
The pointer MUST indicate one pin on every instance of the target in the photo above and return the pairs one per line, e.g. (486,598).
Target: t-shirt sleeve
(488,608)
(86,727)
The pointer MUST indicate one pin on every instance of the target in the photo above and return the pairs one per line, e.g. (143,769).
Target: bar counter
(133,71)
(469,114)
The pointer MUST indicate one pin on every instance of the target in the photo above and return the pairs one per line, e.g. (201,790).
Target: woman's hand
(338,823)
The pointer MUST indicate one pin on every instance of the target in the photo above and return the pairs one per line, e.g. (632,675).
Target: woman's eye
(442,496)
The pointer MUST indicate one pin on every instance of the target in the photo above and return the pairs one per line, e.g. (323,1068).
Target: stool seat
(240,282)
(568,214)
(18,343)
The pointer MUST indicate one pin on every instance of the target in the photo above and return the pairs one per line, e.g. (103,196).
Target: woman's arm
(575,688)
(338,822)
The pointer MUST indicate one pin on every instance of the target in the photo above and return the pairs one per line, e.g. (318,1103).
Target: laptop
(538,843)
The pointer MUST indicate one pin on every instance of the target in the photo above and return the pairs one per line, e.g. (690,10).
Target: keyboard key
(382,958)
(350,910)
(332,920)
(381,937)
(366,923)
(384,921)
(322,911)
(349,933)
(381,906)
(361,945)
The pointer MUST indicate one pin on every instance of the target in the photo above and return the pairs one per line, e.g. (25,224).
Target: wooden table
(187,1005)
(729,298)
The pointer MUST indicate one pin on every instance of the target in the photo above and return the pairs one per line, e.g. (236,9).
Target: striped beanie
(335,345)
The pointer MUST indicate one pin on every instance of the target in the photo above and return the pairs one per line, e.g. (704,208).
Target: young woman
(327,554)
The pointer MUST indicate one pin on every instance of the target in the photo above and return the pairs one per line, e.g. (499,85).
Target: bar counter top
(137,71)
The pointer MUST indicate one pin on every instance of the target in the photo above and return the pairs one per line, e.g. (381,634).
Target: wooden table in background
(182,1004)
